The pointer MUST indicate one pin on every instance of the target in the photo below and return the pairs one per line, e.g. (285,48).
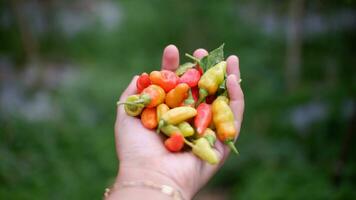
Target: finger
(170,59)
(200,53)
(222,152)
(130,90)
(233,66)
(236,95)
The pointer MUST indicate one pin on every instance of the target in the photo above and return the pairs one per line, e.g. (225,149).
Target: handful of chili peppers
(189,106)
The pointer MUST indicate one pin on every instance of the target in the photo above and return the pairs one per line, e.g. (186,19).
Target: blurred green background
(63,65)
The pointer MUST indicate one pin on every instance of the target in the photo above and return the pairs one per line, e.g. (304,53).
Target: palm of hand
(142,147)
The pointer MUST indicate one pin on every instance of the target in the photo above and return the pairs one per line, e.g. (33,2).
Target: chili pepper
(211,79)
(176,115)
(186,129)
(165,79)
(150,97)
(149,118)
(195,93)
(175,97)
(190,77)
(169,129)
(190,100)
(143,81)
(175,142)
(184,67)
(223,118)
(203,150)
(161,108)
(203,117)
(133,109)
(199,69)
(156,94)
(209,135)
(210,99)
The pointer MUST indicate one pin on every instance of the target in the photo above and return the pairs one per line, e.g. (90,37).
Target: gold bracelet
(165,189)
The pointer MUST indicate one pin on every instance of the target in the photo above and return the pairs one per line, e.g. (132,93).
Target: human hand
(142,154)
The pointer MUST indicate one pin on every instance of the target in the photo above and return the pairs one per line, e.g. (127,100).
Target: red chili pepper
(143,81)
(203,117)
(190,77)
(210,99)
(195,93)
(175,142)
(200,69)
(165,79)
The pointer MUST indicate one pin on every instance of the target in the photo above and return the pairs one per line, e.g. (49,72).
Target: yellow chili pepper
(169,129)
(223,119)
(186,129)
(161,109)
(203,150)
(211,79)
(176,115)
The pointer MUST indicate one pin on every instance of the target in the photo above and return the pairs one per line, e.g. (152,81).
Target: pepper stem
(202,95)
(161,123)
(133,103)
(210,139)
(188,143)
(192,57)
(231,145)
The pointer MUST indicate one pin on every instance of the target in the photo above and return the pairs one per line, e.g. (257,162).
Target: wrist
(129,174)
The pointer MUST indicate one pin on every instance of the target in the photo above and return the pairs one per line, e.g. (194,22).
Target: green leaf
(184,67)
(222,87)
(213,58)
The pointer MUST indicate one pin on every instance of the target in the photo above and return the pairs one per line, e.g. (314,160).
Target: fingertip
(234,88)
(170,60)
(131,89)
(170,51)
(233,65)
(200,53)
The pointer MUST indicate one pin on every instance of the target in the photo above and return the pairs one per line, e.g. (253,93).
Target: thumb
(130,90)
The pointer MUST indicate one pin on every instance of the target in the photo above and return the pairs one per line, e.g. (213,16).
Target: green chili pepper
(169,129)
(133,109)
(209,135)
(184,128)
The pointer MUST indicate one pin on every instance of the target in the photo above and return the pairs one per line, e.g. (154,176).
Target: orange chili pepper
(150,97)
(156,94)
(223,118)
(165,79)
(175,97)
(149,118)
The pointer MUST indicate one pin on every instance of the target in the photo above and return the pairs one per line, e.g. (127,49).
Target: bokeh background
(63,65)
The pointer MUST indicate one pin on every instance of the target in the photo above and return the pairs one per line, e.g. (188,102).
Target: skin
(142,154)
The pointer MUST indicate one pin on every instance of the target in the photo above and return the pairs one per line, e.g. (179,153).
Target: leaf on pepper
(222,87)
(184,67)
(213,58)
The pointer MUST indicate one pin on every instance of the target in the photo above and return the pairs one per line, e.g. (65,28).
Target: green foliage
(73,155)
